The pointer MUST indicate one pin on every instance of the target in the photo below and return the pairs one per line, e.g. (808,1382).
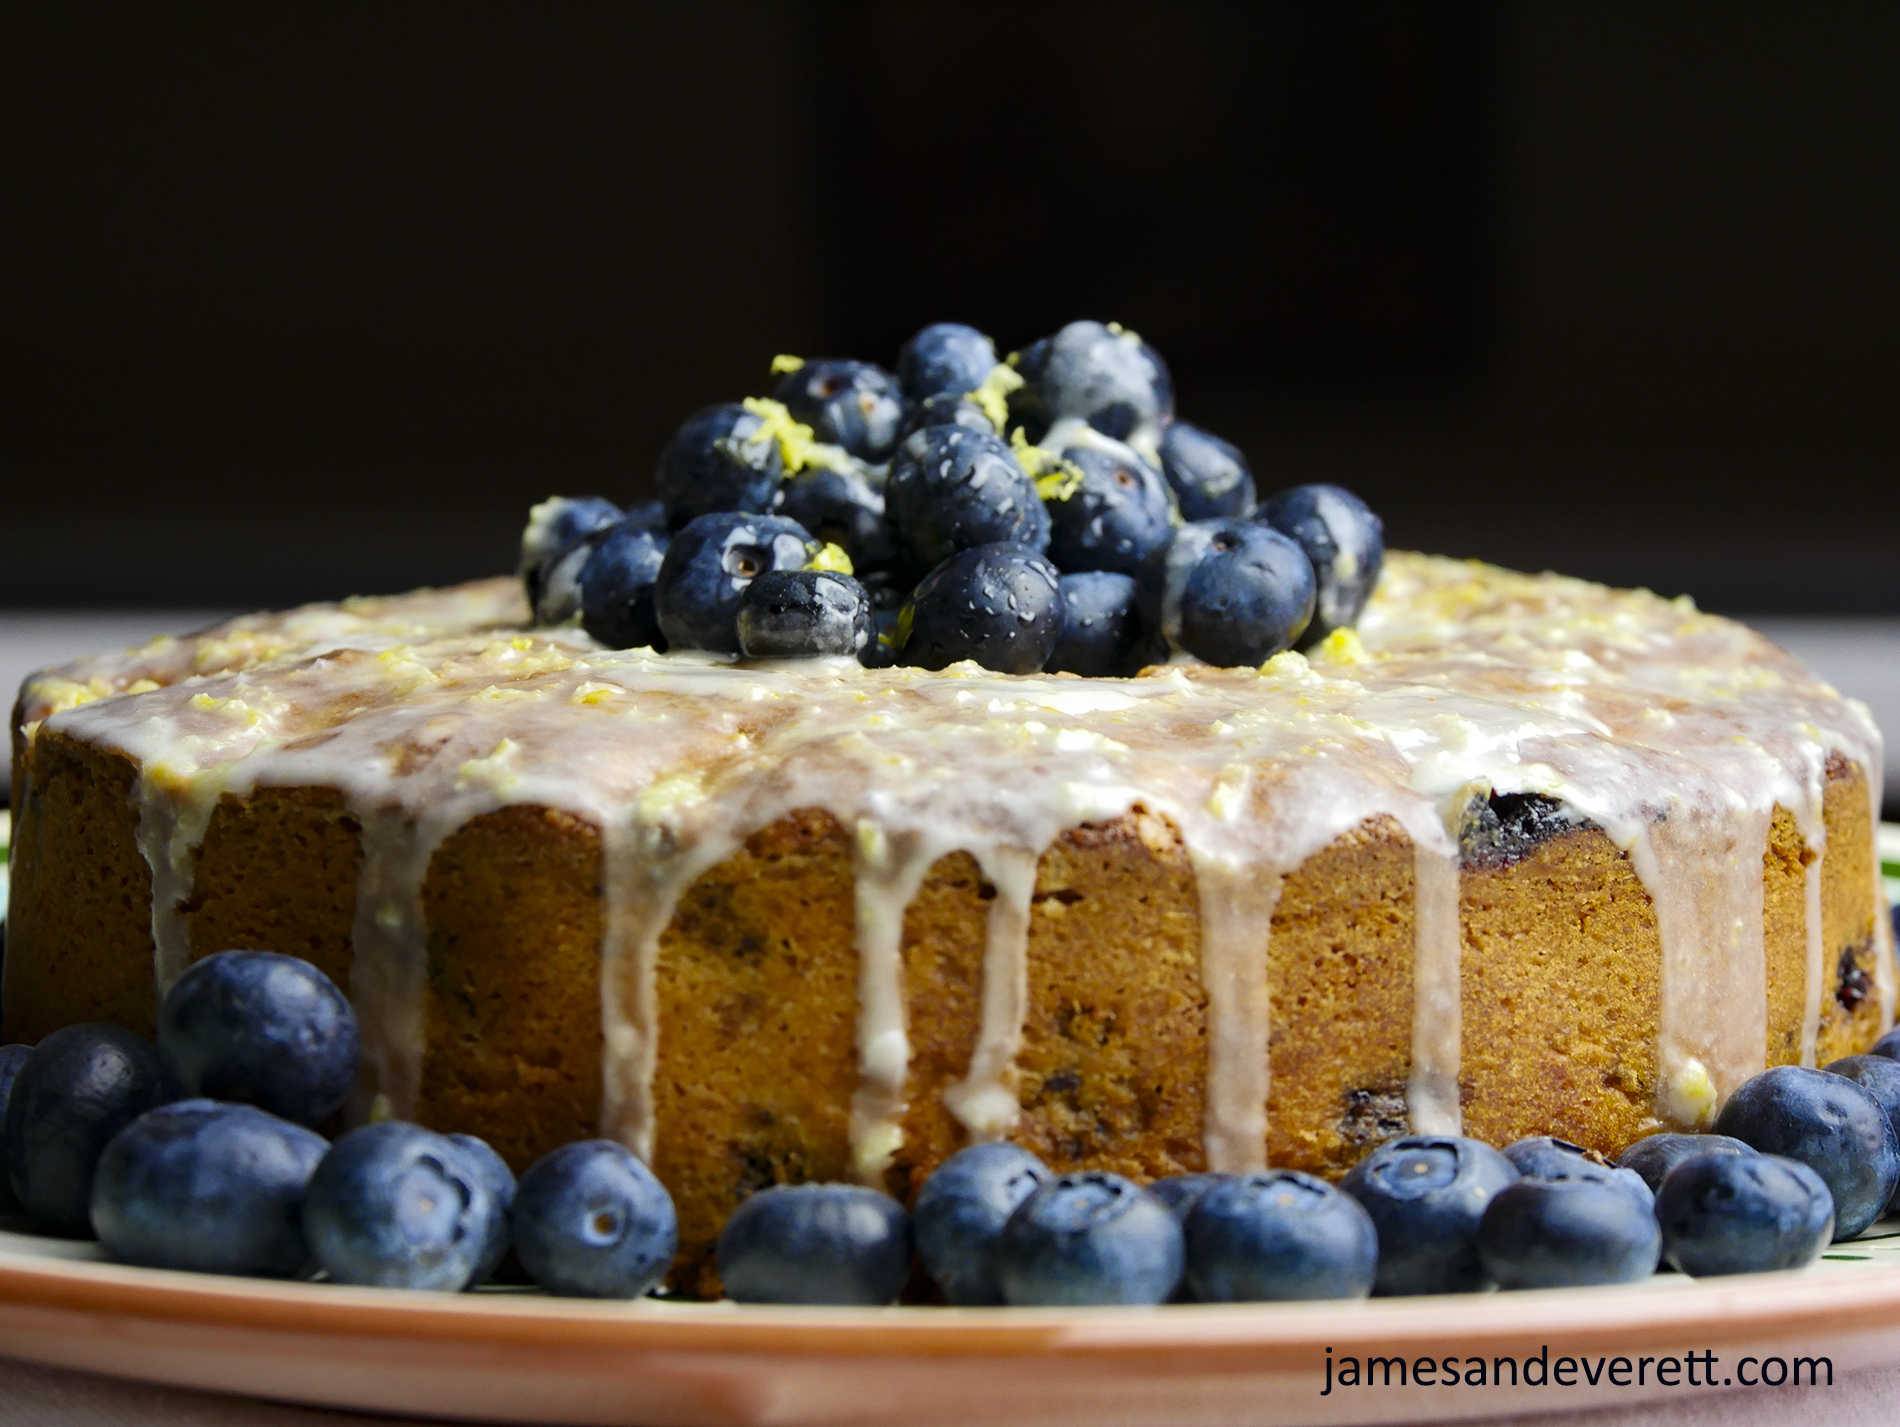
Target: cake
(1521,855)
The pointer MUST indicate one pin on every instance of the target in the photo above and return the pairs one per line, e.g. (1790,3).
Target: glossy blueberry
(709,564)
(845,507)
(207,1186)
(723,459)
(556,526)
(1101,627)
(1568,1232)
(1726,1213)
(590,1221)
(1545,1157)
(795,614)
(948,409)
(554,586)
(393,1205)
(616,587)
(1835,1127)
(1879,1077)
(1229,592)
(952,488)
(1652,1157)
(499,1180)
(1089,1238)
(816,1243)
(856,405)
(1103,376)
(1209,476)
(77,1089)
(1115,515)
(1889,1044)
(945,358)
(264,1029)
(960,1213)
(1345,543)
(1279,1235)
(1000,605)
(1426,1195)
(12,1057)
(1181,1192)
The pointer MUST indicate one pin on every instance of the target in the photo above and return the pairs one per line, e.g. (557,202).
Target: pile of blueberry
(1042,513)
(202,1152)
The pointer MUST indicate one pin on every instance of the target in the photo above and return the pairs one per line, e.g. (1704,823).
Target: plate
(517,1356)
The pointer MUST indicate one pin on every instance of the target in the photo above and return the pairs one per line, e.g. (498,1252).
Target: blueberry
(590,1221)
(556,526)
(77,1089)
(1099,374)
(209,1187)
(555,584)
(844,506)
(952,488)
(264,1029)
(1209,476)
(1569,1232)
(1835,1127)
(1879,1077)
(1345,543)
(1000,605)
(1181,1192)
(855,405)
(616,587)
(499,1180)
(816,1243)
(724,458)
(944,359)
(795,614)
(1279,1235)
(1652,1157)
(960,1213)
(393,1205)
(948,409)
(708,566)
(1089,1238)
(1889,1044)
(1426,1195)
(1544,1157)
(12,1057)
(1101,627)
(1753,1213)
(1111,518)
(1229,592)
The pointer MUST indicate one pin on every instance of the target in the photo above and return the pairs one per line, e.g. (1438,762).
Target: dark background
(303,299)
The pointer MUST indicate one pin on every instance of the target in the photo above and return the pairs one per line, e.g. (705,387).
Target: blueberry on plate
(797,614)
(12,1057)
(816,1243)
(948,409)
(1088,1238)
(1652,1157)
(1229,592)
(1568,1232)
(1112,517)
(855,405)
(1101,627)
(1753,1213)
(616,587)
(590,1221)
(1889,1044)
(556,526)
(709,564)
(1000,605)
(724,458)
(1278,1235)
(1878,1076)
(944,359)
(1835,1127)
(77,1089)
(393,1205)
(844,505)
(952,488)
(1426,1195)
(1099,373)
(1345,543)
(1545,1157)
(262,1028)
(960,1213)
(1209,476)
(494,1173)
(1181,1192)
(209,1187)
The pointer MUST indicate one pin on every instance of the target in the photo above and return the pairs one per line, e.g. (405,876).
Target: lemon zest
(784,362)
(831,558)
(992,393)
(796,442)
(1054,477)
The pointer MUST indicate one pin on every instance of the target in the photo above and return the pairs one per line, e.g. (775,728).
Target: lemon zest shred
(831,558)
(992,393)
(796,441)
(785,362)
(1054,478)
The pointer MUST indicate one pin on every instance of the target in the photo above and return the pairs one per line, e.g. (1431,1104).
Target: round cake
(1521,855)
